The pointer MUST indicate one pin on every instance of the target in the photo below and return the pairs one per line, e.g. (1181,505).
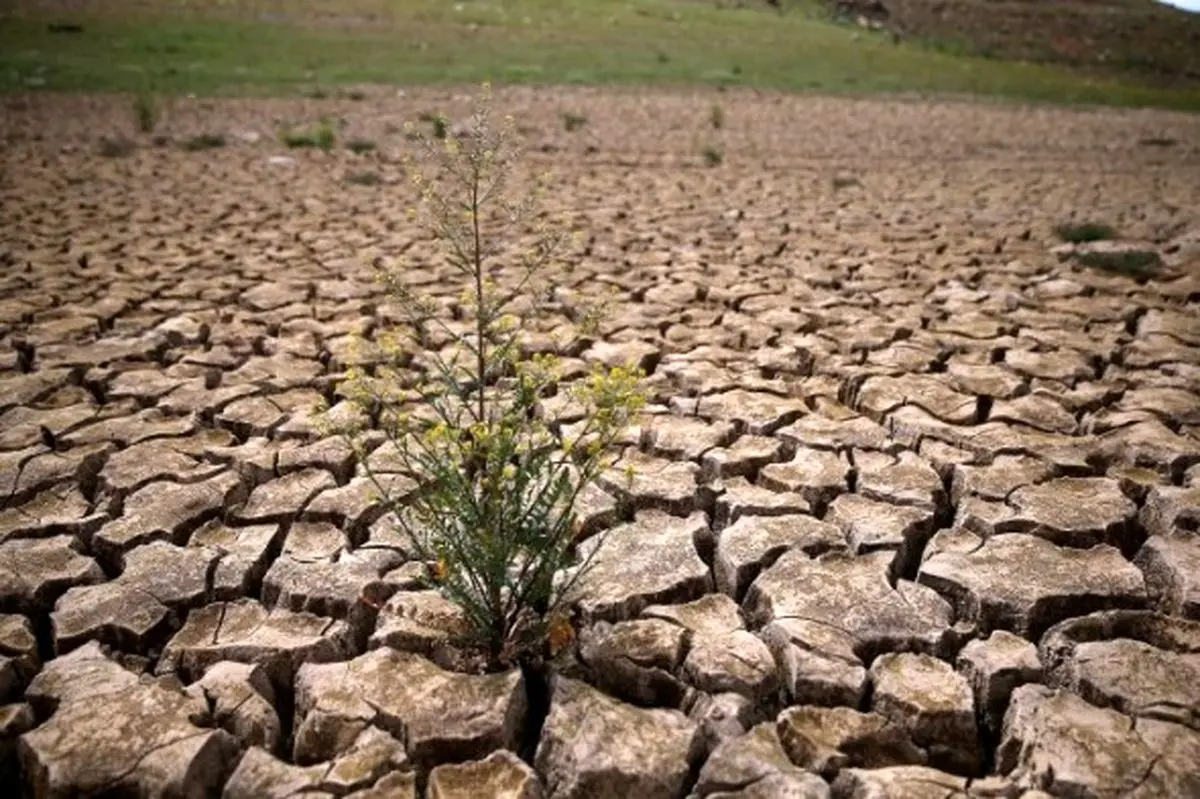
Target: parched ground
(916,503)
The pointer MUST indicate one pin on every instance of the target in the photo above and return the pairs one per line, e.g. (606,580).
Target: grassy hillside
(283,46)
(1139,38)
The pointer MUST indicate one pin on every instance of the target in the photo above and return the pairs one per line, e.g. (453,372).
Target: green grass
(361,146)
(146,112)
(321,137)
(1079,233)
(1137,264)
(647,42)
(712,155)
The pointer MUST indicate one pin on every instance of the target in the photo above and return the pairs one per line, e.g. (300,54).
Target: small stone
(1037,410)
(19,659)
(1056,582)
(827,740)
(683,437)
(34,573)
(820,432)
(15,720)
(740,498)
(374,766)
(1170,510)
(1172,570)
(852,594)
(912,782)
(358,504)
(260,775)
(129,470)
(1063,365)
(749,759)
(744,458)
(1055,741)
(650,560)
(592,746)
(754,543)
(902,479)
(1076,512)
(723,656)
(59,510)
(82,674)
(636,660)
(175,576)
(721,717)
(878,396)
(113,613)
(755,412)
(373,755)
(871,526)
(424,621)
(812,675)
(337,590)
(998,479)
(165,511)
(242,702)
(443,716)
(635,354)
(646,483)
(934,703)
(246,632)
(283,500)
(136,740)
(1140,663)
(501,775)
(245,554)
(315,542)
(995,667)
(817,475)
(397,785)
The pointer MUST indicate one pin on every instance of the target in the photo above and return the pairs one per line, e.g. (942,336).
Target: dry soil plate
(907,468)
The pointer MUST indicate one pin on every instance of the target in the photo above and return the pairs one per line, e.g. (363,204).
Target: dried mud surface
(916,504)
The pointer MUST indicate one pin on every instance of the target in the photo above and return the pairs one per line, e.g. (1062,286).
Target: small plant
(360,146)
(357,95)
(1137,264)
(146,112)
(204,141)
(320,137)
(572,121)
(712,155)
(439,124)
(493,515)
(716,116)
(316,93)
(1085,232)
(116,146)
(364,178)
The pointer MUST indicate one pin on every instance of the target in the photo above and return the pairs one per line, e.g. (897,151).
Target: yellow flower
(440,570)
(561,635)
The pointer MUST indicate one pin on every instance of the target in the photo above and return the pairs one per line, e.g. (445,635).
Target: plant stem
(480,320)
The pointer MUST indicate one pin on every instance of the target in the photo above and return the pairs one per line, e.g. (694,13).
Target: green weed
(490,504)
(1081,233)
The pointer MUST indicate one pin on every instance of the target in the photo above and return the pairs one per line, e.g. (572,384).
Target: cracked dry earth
(916,503)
